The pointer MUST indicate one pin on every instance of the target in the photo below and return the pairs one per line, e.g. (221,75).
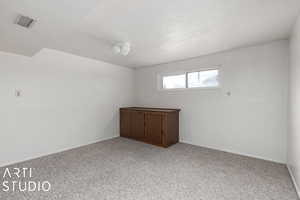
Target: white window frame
(161,75)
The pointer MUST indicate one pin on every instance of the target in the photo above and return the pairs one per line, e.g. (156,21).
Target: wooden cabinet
(156,126)
(125,123)
(137,128)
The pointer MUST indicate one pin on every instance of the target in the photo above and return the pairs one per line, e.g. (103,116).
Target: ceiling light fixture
(122,48)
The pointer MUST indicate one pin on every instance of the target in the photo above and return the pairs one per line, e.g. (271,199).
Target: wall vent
(24,21)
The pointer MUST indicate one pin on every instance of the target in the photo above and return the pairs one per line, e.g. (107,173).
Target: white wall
(252,121)
(66,101)
(294,109)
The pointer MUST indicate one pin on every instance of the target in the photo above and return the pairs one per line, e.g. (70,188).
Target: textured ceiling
(159,31)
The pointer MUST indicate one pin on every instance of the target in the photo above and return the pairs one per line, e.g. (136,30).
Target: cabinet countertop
(151,109)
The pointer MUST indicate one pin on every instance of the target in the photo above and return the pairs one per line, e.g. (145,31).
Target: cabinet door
(154,128)
(138,125)
(125,123)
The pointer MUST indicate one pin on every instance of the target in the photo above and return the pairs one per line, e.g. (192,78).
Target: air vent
(24,21)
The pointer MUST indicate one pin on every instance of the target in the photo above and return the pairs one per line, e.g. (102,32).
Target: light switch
(17,93)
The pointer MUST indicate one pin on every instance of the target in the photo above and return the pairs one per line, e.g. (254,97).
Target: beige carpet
(121,169)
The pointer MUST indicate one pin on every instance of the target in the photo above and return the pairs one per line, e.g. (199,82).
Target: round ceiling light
(122,48)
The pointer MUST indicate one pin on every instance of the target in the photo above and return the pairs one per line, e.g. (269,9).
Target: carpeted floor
(121,169)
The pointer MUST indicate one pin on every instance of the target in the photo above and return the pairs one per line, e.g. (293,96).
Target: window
(207,78)
(195,79)
(175,81)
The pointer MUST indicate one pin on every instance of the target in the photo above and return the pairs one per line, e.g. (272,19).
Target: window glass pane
(175,81)
(207,78)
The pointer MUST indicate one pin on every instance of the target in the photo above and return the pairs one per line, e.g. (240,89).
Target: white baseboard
(58,151)
(234,152)
(294,180)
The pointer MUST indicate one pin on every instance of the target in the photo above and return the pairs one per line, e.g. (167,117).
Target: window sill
(189,89)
